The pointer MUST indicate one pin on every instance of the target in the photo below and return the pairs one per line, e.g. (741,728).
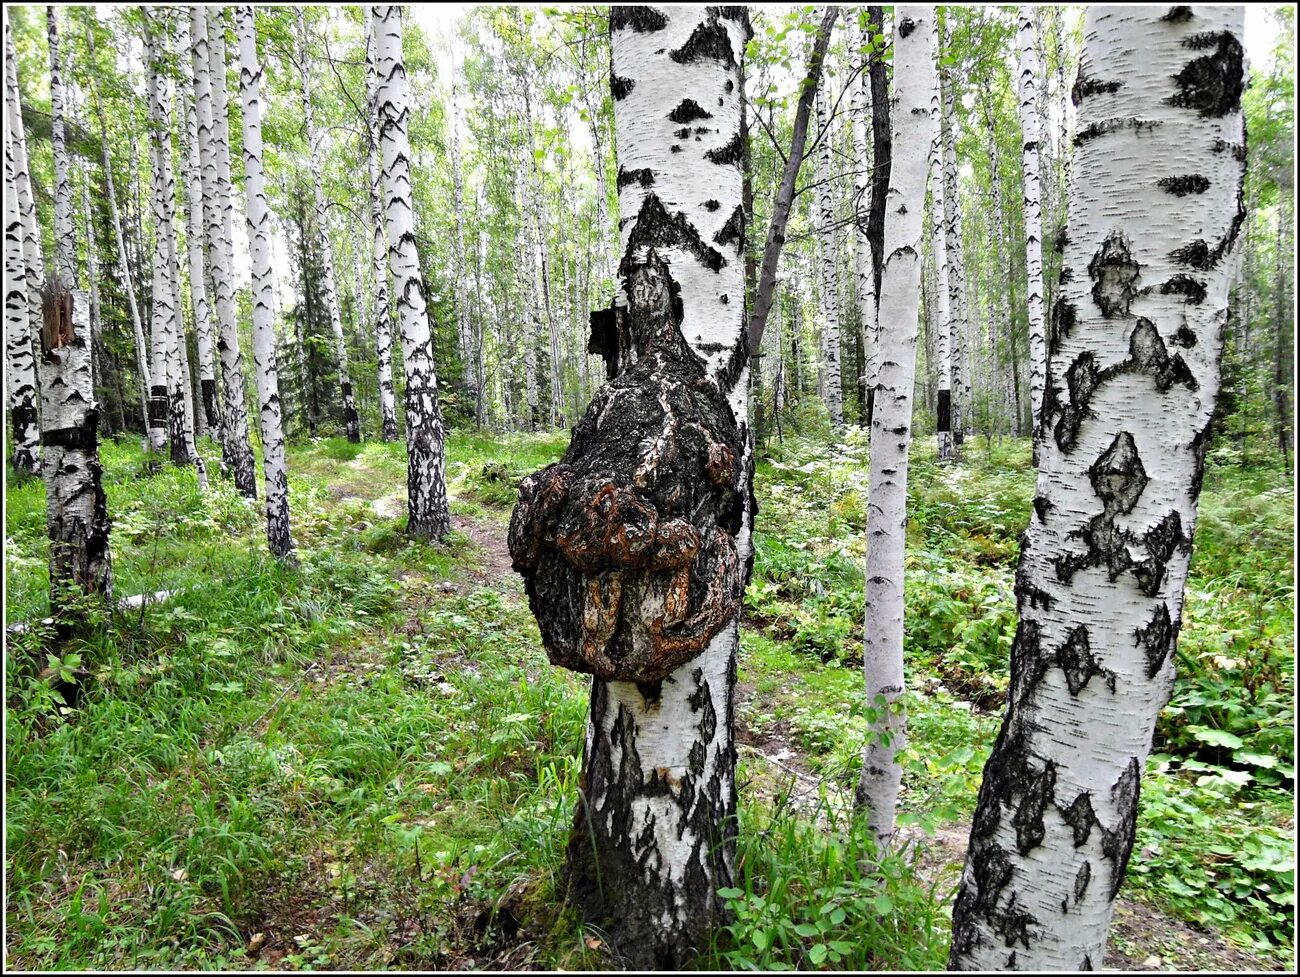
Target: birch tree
(214,154)
(194,231)
(23,279)
(912,138)
(1154,213)
(274,470)
(76,507)
(635,547)
(351,421)
(1027,74)
(382,314)
(941,298)
(960,373)
(128,285)
(826,239)
(429,516)
(859,109)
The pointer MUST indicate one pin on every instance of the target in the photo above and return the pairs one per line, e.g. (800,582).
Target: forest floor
(366,760)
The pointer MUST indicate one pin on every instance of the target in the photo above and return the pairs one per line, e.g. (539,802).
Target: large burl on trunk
(627,544)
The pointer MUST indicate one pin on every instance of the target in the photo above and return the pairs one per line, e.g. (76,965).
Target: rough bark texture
(379,258)
(1028,87)
(914,132)
(1132,377)
(651,507)
(351,422)
(76,508)
(429,516)
(23,274)
(274,469)
(214,150)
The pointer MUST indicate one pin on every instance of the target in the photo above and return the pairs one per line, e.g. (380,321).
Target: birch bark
(379,257)
(912,139)
(829,278)
(214,149)
(429,515)
(859,110)
(1133,372)
(23,280)
(940,297)
(274,470)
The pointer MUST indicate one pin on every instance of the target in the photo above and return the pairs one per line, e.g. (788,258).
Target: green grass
(366,760)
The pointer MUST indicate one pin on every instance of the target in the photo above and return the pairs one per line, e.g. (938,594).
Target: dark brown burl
(627,544)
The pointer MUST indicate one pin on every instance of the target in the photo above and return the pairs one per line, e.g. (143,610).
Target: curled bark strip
(627,544)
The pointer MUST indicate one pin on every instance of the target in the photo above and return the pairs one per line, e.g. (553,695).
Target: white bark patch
(1028,89)
(938,248)
(913,126)
(20,364)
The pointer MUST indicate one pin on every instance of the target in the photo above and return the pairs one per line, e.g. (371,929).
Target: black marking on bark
(1080,817)
(1149,356)
(654,228)
(1066,276)
(1117,842)
(1064,317)
(1193,288)
(731,153)
(1079,664)
(643,509)
(732,230)
(1043,506)
(1085,86)
(1162,540)
(1095,130)
(1178,15)
(708,40)
(620,87)
(1184,337)
(711,205)
(688,110)
(675,148)
(1200,445)
(944,410)
(1118,476)
(1114,272)
(1156,639)
(1213,83)
(651,692)
(1181,186)
(1028,819)
(79,438)
(643,20)
(683,133)
(1013,923)
(905,27)
(1235,149)
(1081,880)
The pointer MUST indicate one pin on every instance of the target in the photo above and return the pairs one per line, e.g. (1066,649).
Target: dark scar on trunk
(733,230)
(1181,186)
(1097,129)
(1114,272)
(1085,86)
(708,40)
(731,153)
(1213,83)
(1157,639)
(1117,842)
(627,544)
(1185,285)
(643,20)
(688,110)
(620,87)
(645,177)
(1178,15)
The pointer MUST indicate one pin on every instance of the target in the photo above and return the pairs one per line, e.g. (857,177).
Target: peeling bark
(1131,383)
(274,470)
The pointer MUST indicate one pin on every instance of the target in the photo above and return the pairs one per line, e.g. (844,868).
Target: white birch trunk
(959,366)
(274,470)
(913,129)
(214,152)
(463,338)
(351,421)
(528,284)
(833,392)
(379,257)
(23,280)
(429,515)
(209,414)
(860,112)
(941,299)
(654,838)
(65,242)
(1133,372)
(1028,88)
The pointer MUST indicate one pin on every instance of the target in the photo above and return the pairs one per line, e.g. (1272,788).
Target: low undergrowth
(366,761)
